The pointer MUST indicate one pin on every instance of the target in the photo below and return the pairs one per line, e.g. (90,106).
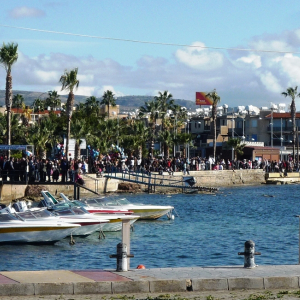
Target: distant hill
(126,103)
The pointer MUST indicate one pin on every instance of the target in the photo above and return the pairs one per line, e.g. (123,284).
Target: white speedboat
(13,230)
(49,201)
(114,216)
(143,210)
(88,224)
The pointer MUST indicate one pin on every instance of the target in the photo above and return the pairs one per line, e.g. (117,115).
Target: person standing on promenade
(48,169)
(5,166)
(31,172)
(11,169)
(23,167)
(43,170)
(37,165)
(55,173)
(64,169)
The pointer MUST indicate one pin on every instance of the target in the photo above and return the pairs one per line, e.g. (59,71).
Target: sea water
(208,230)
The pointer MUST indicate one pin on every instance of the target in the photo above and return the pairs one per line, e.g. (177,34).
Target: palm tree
(39,135)
(165,103)
(26,115)
(168,138)
(150,110)
(78,131)
(69,82)
(184,139)
(53,100)
(108,99)
(8,56)
(292,92)
(17,101)
(236,144)
(92,105)
(38,106)
(141,135)
(216,100)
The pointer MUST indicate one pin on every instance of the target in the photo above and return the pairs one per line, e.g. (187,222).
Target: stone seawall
(229,178)
(216,179)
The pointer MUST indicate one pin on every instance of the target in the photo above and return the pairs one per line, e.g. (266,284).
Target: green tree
(39,135)
(237,145)
(69,82)
(216,100)
(53,100)
(26,116)
(8,56)
(168,138)
(150,110)
(292,93)
(92,106)
(165,101)
(78,131)
(108,100)
(38,105)
(18,101)
(183,139)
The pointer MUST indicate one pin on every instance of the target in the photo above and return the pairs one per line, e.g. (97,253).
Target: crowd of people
(32,169)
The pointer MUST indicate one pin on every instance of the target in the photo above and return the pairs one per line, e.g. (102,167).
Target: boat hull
(34,235)
(114,225)
(150,214)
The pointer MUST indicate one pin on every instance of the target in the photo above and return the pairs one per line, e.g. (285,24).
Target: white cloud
(200,58)
(26,12)
(239,77)
(290,65)
(253,60)
(270,82)
(81,90)
(100,91)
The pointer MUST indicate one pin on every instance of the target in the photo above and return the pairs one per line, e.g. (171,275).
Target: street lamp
(174,131)
(281,139)
(188,145)
(232,136)
(243,137)
(271,124)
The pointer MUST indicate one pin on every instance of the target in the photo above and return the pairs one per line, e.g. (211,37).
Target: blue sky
(131,68)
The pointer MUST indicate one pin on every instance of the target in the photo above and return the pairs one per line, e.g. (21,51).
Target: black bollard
(121,257)
(249,253)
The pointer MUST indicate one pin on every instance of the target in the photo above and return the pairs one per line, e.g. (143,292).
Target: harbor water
(208,230)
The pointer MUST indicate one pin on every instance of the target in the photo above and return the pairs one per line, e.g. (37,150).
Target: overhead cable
(148,42)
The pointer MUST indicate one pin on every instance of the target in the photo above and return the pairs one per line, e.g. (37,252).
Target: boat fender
(72,241)
(141,267)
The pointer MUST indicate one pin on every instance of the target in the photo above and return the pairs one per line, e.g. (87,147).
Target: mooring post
(78,192)
(74,194)
(299,240)
(249,253)
(126,237)
(149,183)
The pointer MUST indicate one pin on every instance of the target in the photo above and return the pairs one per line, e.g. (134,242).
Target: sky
(141,47)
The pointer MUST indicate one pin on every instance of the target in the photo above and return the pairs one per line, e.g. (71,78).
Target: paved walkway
(145,281)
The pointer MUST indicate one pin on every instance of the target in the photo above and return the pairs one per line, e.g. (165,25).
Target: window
(254,123)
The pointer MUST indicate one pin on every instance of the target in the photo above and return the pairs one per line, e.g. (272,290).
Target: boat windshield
(43,213)
(64,212)
(63,205)
(26,215)
(7,217)
(79,211)
(107,201)
(78,203)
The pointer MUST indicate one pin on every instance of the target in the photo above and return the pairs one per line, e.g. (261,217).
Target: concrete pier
(145,281)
